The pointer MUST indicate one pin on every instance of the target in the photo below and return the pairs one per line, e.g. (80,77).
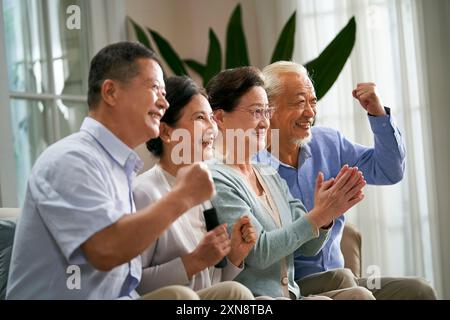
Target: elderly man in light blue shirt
(79,236)
(59,215)
(304,151)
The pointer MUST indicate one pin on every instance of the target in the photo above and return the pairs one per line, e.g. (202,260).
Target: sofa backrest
(8,218)
(9,213)
(351,249)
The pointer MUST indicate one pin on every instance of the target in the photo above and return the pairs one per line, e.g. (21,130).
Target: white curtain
(397,222)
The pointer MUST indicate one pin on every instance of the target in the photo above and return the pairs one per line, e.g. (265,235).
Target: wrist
(315,217)
(377,112)
(192,265)
(182,200)
(327,226)
(235,259)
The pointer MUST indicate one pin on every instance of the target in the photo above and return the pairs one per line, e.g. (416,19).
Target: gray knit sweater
(262,268)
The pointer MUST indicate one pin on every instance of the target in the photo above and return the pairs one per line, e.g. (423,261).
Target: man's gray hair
(272,74)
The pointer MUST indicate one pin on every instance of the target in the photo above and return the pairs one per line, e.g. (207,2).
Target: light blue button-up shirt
(328,151)
(78,186)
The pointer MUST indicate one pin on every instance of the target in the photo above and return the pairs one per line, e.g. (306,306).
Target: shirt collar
(119,151)
(266,157)
(304,154)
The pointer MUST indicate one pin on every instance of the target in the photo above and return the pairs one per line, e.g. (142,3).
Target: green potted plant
(324,70)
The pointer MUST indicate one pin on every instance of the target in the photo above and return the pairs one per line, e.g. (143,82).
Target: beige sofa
(7,228)
(351,249)
(9,213)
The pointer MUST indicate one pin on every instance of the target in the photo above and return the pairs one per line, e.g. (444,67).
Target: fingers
(358,194)
(319,180)
(240,222)
(354,179)
(221,242)
(364,90)
(341,182)
(225,250)
(359,93)
(195,183)
(237,227)
(356,200)
(365,84)
(356,190)
(249,233)
(250,238)
(219,232)
(246,229)
(343,170)
(368,97)
(214,246)
(328,184)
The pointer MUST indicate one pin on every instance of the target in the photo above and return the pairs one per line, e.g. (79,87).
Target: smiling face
(142,101)
(245,117)
(295,108)
(197,119)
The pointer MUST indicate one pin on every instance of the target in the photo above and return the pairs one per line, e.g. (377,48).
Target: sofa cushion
(7,228)
(351,249)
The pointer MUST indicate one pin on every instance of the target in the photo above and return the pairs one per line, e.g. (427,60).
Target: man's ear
(218,116)
(165,132)
(109,92)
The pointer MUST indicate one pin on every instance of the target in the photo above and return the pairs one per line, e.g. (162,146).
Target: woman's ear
(218,117)
(165,132)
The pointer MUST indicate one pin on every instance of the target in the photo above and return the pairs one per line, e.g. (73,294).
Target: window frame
(103,29)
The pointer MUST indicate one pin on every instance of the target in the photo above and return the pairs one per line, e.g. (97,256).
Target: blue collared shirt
(78,186)
(328,151)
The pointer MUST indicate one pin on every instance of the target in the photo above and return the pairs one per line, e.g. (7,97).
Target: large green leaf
(196,66)
(236,52)
(214,61)
(285,44)
(168,53)
(140,34)
(325,69)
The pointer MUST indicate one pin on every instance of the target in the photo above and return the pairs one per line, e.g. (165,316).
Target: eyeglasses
(259,113)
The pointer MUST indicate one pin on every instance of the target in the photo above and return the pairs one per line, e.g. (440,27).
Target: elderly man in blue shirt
(304,151)
(79,236)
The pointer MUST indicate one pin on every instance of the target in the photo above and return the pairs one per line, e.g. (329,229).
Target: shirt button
(384,125)
(284,281)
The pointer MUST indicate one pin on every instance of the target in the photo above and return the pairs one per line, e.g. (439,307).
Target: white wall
(185,23)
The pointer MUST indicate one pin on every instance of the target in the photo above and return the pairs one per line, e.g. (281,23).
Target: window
(43,77)
(394,220)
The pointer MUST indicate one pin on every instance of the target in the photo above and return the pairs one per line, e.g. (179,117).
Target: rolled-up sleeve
(384,164)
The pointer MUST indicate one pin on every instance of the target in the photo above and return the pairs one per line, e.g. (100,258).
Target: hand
(334,197)
(367,95)
(212,248)
(194,185)
(243,238)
